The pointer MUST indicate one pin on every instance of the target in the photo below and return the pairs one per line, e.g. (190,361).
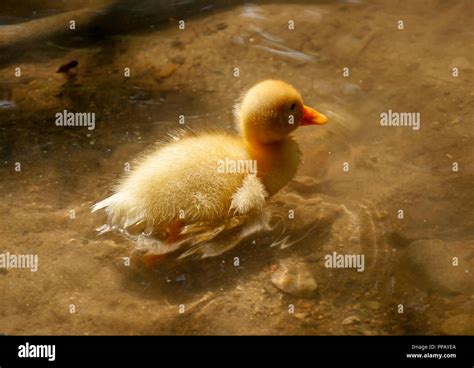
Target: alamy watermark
(37,351)
(27,261)
(335,260)
(75,119)
(231,166)
(400,119)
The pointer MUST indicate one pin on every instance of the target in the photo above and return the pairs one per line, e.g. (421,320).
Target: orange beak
(313,117)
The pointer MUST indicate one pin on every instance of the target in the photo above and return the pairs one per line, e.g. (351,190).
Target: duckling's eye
(292,107)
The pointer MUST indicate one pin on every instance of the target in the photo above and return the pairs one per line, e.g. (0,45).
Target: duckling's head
(271,110)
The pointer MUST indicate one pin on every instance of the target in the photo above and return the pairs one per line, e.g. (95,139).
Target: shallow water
(410,284)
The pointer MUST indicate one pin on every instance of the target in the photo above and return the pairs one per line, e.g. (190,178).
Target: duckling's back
(184,179)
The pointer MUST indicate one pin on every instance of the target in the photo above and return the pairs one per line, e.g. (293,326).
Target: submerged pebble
(373,305)
(294,277)
(350,320)
(301,315)
(4,104)
(179,59)
(221,26)
(167,70)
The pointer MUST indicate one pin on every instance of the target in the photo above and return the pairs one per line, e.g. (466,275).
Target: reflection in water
(388,193)
(203,241)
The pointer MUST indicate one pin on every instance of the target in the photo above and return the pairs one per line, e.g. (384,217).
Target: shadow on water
(102,23)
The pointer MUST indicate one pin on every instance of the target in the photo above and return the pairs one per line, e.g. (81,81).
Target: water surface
(191,72)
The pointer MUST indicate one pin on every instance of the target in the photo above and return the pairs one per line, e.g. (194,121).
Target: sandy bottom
(418,269)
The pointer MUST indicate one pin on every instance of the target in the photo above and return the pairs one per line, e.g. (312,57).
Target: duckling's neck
(277,163)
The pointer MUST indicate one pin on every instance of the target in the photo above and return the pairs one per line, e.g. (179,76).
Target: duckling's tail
(105,203)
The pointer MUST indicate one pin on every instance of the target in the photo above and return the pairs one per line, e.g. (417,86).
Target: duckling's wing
(249,197)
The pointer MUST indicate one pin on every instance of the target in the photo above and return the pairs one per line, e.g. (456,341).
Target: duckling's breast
(192,179)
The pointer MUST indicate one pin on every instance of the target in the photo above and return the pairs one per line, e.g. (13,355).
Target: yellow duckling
(209,177)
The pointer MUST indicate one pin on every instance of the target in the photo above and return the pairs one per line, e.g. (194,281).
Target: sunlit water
(355,178)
